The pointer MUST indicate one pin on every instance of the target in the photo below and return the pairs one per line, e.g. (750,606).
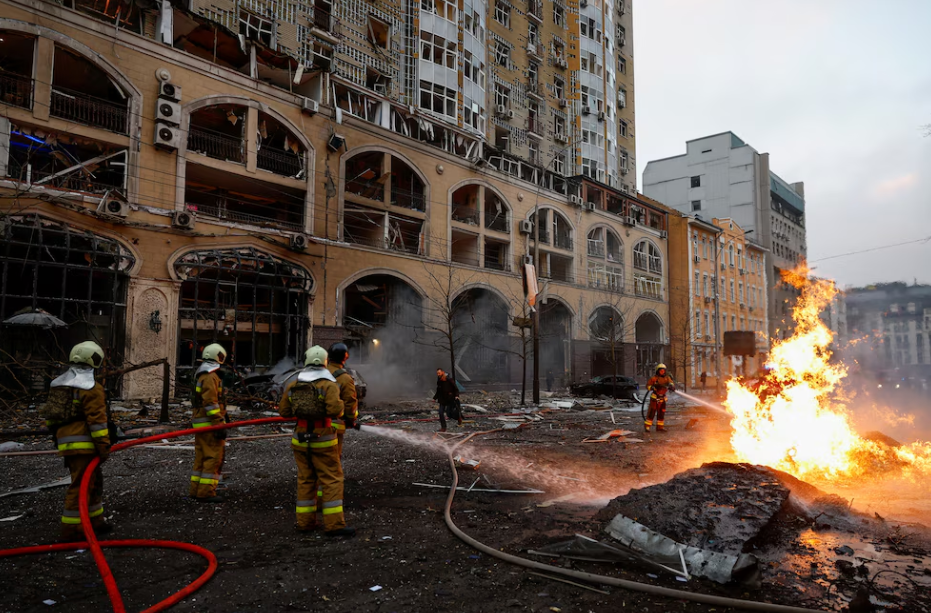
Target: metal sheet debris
(489,491)
(13,517)
(10,446)
(36,488)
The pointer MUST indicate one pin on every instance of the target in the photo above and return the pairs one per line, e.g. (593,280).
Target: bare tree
(612,320)
(681,335)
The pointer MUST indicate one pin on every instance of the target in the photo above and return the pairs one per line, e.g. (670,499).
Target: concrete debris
(465,464)
(36,488)
(475,407)
(585,549)
(10,446)
(13,517)
(719,567)
(614,434)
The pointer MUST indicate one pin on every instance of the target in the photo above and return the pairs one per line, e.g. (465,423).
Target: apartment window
(697,286)
(733,322)
(438,99)
(621,65)
(257,28)
(696,181)
(437,49)
(533,33)
(696,205)
(502,96)
(379,32)
(704,285)
(590,63)
(621,97)
(592,168)
(503,13)
(559,87)
(697,324)
(559,164)
(473,69)
(623,128)
(534,150)
(560,127)
(472,116)
(707,324)
(740,287)
(733,294)
(442,8)
(589,28)
(502,53)
(730,254)
(559,14)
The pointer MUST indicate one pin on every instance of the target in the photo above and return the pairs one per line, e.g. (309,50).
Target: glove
(104,452)
(350,423)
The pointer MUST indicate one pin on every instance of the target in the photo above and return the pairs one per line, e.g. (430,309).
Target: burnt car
(623,387)
(269,386)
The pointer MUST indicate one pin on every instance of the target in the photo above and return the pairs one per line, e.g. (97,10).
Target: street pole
(717,319)
(536,310)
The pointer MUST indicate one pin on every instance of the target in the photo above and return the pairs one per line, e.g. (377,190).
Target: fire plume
(794,419)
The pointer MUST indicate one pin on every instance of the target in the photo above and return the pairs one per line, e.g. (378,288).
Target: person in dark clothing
(446,394)
(550,379)
(704,380)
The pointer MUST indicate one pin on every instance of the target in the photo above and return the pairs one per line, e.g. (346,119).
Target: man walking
(446,394)
(704,381)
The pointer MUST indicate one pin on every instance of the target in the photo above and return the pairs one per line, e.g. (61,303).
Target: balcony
(498,223)
(465,215)
(221,212)
(493,263)
(563,241)
(324,21)
(535,90)
(535,126)
(16,90)
(643,261)
(284,164)
(215,145)
(74,106)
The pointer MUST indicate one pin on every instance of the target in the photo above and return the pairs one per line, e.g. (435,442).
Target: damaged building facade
(270,174)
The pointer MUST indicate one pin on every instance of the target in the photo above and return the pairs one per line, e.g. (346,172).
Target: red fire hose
(96,546)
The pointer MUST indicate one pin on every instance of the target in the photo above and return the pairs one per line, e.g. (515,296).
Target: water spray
(710,405)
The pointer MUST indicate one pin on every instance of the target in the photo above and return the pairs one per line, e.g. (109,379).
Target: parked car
(606,385)
(269,386)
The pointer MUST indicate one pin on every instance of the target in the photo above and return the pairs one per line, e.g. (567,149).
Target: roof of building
(785,191)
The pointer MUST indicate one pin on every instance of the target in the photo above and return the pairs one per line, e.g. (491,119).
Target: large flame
(794,418)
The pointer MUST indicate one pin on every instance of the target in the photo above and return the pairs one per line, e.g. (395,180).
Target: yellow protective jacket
(347,393)
(324,434)
(211,409)
(660,385)
(89,435)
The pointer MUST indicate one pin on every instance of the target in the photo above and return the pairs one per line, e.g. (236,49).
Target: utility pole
(717,315)
(536,310)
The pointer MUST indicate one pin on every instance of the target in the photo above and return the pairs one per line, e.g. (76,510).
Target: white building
(722,176)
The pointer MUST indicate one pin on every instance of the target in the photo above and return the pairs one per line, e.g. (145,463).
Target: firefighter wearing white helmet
(313,397)
(209,404)
(76,414)
(658,385)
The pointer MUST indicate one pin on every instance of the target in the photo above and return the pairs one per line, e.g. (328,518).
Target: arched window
(555,234)
(480,219)
(83,93)
(650,349)
(648,270)
(16,80)
(606,325)
(249,301)
(376,184)
(605,259)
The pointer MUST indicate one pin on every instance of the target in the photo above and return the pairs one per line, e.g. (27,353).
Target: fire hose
(655,590)
(96,547)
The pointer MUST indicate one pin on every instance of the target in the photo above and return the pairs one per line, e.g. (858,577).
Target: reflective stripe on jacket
(82,436)
(212,409)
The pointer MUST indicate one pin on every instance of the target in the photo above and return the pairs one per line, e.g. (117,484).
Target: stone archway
(648,332)
(480,321)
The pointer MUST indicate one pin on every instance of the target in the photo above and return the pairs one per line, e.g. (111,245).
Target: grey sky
(836,91)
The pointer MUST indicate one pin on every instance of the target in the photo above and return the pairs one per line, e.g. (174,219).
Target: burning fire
(794,419)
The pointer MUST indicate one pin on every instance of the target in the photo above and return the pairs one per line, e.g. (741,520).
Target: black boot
(343,532)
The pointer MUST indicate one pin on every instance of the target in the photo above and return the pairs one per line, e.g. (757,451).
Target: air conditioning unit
(752,309)
(510,114)
(299,242)
(527,260)
(742,305)
(601,115)
(532,49)
(501,110)
(167,111)
(310,106)
(663,234)
(723,266)
(526,226)
(697,259)
(742,271)
(112,207)
(169,91)
(183,219)
(563,103)
(707,337)
(576,200)
(559,137)
(624,170)
(591,206)
(708,299)
(561,63)
(583,4)
(586,110)
(166,136)
(630,221)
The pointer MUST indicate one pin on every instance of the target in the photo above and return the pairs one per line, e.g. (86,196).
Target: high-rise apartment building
(271,174)
(722,176)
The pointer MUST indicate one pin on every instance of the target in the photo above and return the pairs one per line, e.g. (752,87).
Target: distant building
(889,328)
(721,176)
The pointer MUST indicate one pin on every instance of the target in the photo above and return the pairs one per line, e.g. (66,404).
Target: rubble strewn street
(813,551)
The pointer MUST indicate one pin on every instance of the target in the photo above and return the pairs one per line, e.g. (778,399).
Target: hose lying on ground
(722,601)
(96,547)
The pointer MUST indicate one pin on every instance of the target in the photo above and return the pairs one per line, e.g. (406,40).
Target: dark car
(606,385)
(269,386)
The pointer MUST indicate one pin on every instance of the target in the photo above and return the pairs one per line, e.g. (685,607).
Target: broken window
(438,50)
(377,228)
(381,177)
(605,260)
(213,193)
(125,15)
(438,99)
(503,12)
(249,301)
(47,159)
(502,96)
(75,275)
(208,40)
(278,149)
(648,257)
(260,29)
(606,325)
(217,132)
(441,8)
(379,32)
(17,52)
(464,247)
(502,53)
(85,94)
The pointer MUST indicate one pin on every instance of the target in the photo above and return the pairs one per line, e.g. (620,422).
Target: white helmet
(315,356)
(215,353)
(88,353)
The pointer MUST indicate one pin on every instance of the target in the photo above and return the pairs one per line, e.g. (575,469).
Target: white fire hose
(721,601)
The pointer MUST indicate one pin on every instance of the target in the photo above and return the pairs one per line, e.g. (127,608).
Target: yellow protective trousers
(319,468)
(71,516)
(208,465)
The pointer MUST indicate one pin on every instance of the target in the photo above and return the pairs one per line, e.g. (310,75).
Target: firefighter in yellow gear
(76,414)
(658,386)
(209,403)
(313,397)
(336,364)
